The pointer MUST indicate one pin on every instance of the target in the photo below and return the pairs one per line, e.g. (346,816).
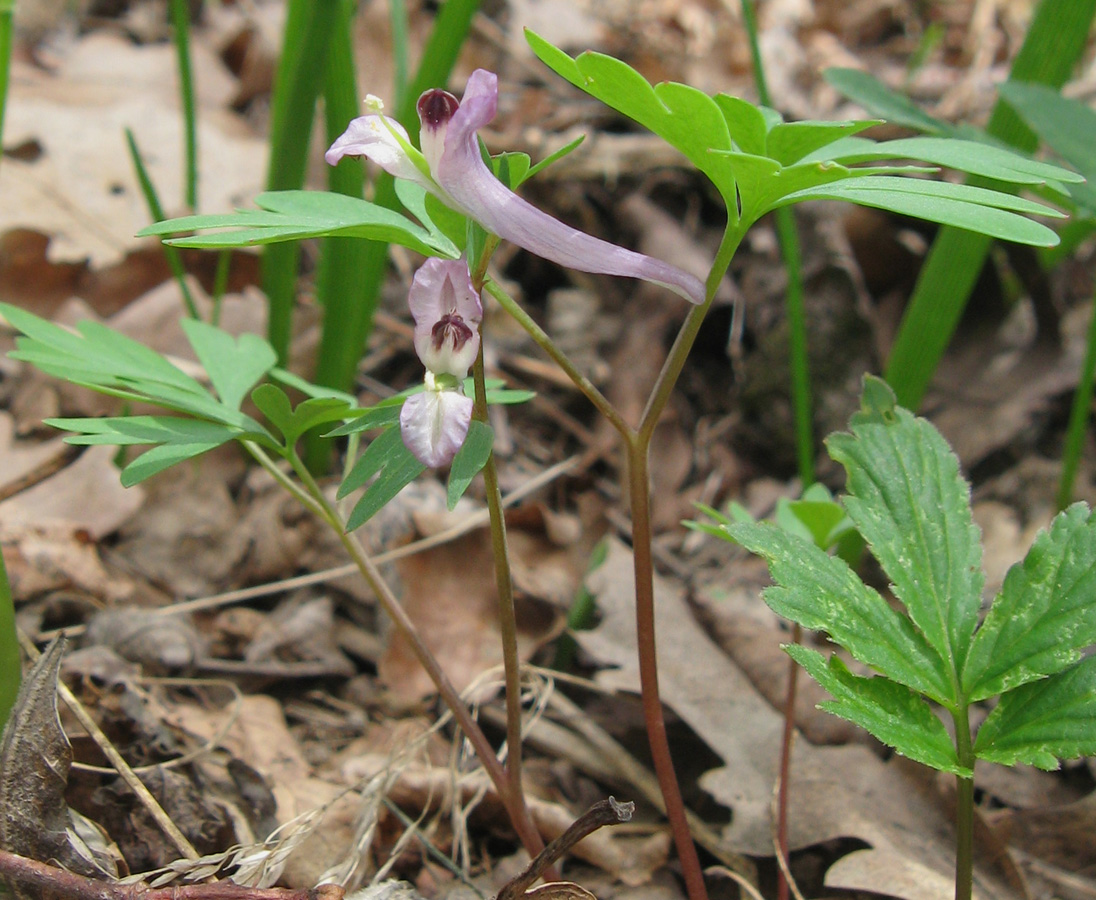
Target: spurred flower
(447,314)
(435,423)
(451,167)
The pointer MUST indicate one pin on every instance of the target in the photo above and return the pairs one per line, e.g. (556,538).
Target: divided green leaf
(293,215)
(387,458)
(234,366)
(912,506)
(893,713)
(1043,721)
(471,457)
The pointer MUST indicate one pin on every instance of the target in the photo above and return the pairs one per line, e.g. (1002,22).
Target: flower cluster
(447,314)
(444,304)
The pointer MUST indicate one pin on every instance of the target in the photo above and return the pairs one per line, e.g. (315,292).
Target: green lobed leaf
(881,101)
(273,403)
(384,448)
(683,116)
(745,122)
(892,712)
(292,215)
(911,505)
(1045,614)
(964,206)
(822,593)
(126,430)
(471,457)
(1043,721)
(96,357)
(974,157)
(790,142)
(400,468)
(234,366)
(154,461)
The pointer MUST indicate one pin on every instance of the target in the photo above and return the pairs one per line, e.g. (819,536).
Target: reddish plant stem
(785,770)
(52,883)
(639,496)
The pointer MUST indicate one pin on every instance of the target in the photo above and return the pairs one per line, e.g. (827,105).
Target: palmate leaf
(1045,614)
(911,505)
(822,593)
(893,713)
(292,215)
(1043,721)
(94,356)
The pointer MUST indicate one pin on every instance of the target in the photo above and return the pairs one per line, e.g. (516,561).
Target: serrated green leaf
(911,505)
(892,712)
(292,215)
(234,366)
(879,100)
(471,457)
(154,461)
(400,469)
(790,142)
(683,116)
(962,205)
(1043,721)
(822,593)
(1045,614)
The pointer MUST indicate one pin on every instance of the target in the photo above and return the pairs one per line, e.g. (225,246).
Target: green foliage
(909,502)
(758,162)
(293,215)
(105,361)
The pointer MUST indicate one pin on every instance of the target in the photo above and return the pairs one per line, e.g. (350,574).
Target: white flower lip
(460,178)
(434,424)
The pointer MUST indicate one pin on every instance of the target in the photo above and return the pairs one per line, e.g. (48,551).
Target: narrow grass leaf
(892,712)
(912,506)
(10,665)
(471,457)
(1043,721)
(1045,614)
(822,593)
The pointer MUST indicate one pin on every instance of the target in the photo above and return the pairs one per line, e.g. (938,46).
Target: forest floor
(217,638)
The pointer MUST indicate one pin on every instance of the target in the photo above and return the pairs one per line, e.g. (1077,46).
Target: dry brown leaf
(20,461)
(450,593)
(835,791)
(81,190)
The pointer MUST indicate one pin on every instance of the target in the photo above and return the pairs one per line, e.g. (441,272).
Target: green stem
(7,9)
(314,499)
(964,808)
(542,340)
(508,623)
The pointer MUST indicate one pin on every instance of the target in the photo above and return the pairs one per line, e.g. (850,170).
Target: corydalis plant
(451,167)
(909,502)
(447,313)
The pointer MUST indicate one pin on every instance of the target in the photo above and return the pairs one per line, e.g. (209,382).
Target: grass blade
(1053,45)
(180,18)
(10,670)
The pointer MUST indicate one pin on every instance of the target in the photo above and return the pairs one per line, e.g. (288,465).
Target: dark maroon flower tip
(436,107)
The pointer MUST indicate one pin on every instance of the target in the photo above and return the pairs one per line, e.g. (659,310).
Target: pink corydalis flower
(451,167)
(447,313)
(435,423)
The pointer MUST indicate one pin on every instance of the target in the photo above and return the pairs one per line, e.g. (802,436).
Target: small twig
(604,812)
(41,880)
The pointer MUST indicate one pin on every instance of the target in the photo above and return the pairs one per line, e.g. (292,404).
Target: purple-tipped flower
(447,313)
(459,177)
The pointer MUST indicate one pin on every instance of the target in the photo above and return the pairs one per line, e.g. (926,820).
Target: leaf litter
(310,743)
